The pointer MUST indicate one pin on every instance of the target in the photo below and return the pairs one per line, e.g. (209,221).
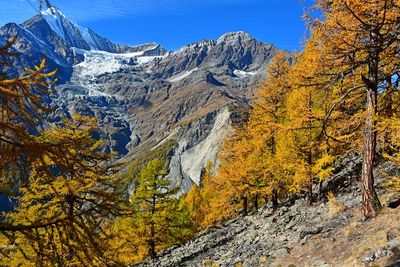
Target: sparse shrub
(334,206)
(209,263)
(263,259)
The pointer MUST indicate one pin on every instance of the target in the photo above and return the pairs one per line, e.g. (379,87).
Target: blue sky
(174,23)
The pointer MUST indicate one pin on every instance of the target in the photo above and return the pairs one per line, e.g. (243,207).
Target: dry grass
(348,245)
(334,206)
(208,262)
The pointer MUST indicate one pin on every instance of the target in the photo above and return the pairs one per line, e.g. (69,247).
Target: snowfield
(244,74)
(97,62)
(182,76)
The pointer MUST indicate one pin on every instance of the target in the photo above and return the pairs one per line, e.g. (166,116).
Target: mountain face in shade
(143,95)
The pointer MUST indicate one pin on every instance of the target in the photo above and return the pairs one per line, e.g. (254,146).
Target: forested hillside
(301,160)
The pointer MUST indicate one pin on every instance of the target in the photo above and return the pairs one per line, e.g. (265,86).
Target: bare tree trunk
(152,242)
(320,191)
(152,246)
(245,205)
(309,193)
(255,202)
(370,202)
(71,235)
(274,199)
(310,198)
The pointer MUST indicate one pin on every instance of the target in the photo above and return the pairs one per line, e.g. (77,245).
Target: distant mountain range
(144,95)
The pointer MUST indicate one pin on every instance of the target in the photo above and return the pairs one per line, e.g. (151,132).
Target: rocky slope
(143,94)
(302,235)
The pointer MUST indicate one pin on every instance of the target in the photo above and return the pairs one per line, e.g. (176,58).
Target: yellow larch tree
(360,41)
(62,208)
(306,109)
(62,185)
(266,126)
(157,220)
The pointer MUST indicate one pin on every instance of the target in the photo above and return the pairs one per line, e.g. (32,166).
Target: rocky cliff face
(198,144)
(302,235)
(143,94)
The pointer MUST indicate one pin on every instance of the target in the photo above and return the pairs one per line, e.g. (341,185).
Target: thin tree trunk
(370,202)
(152,246)
(71,236)
(320,191)
(274,199)
(152,243)
(255,202)
(310,198)
(245,205)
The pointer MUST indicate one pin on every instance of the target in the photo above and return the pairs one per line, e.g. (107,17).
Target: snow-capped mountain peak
(75,35)
(61,25)
(57,20)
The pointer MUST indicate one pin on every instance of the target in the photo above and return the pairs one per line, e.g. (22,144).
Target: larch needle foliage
(21,108)
(361,46)
(340,93)
(61,183)
(64,206)
(250,161)
(158,221)
(391,129)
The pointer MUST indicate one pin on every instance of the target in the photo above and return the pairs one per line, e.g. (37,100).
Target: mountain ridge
(141,94)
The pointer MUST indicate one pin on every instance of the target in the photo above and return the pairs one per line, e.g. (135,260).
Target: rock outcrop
(198,143)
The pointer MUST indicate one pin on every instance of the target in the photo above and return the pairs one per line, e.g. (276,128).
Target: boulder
(310,231)
(394,202)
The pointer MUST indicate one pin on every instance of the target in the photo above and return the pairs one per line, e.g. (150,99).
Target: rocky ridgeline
(141,94)
(302,235)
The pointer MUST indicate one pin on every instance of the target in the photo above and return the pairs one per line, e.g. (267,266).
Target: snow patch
(182,76)
(95,92)
(147,59)
(97,62)
(244,74)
